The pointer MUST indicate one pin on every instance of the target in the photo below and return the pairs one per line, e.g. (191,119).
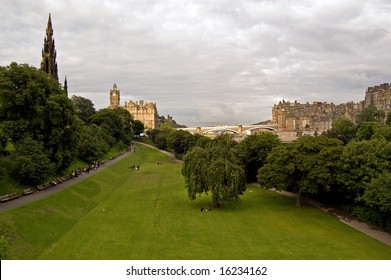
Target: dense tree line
(348,166)
(179,142)
(42,131)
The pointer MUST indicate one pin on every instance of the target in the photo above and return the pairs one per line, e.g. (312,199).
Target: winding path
(26,199)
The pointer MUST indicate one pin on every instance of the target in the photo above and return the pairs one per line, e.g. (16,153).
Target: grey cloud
(207,61)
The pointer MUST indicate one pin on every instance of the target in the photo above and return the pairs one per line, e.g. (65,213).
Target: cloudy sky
(207,61)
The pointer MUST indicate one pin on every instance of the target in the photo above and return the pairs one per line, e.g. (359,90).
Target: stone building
(380,97)
(319,116)
(146,112)
(312,117)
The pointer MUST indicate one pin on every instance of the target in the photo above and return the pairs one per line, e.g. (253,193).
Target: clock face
(114,94)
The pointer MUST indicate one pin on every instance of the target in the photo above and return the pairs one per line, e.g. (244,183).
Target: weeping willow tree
(214,170)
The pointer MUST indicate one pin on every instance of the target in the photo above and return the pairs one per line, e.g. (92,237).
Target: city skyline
(216,62)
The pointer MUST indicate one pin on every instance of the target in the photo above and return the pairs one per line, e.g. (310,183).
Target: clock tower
(114,97)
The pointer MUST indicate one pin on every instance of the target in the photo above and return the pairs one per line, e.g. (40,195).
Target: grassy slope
(9,185)
(125,214)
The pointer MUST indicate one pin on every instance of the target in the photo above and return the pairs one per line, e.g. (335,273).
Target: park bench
(10,196)
(44,186)
(28,191)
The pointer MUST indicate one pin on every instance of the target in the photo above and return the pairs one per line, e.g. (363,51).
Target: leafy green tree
(226,178)
(92,143)
(197,140)
(366,130)
(370,114)
(279,170)
(342,129)
(153,133)
(360,162)
(3,140)
(201,141)
(194,170)
(388,119)
(377,193)
(24,92)
(214,170)
(303,166)
(127,124)
(84,107)
(253,151)
(177,141)
(166,128)
(373,130)
(116,122)
(61,134)
(34,105)
(31,165)
(138,127)
(224,140)
(160,141)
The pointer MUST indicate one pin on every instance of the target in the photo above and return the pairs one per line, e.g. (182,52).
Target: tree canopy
(138,127)
(303,166)
(377,193)
(48,131)
(30,163)
(253,151)
(361,161)
(84,107)
(34,105)
(342,129)
(116,122)
(370,114)
(214,170)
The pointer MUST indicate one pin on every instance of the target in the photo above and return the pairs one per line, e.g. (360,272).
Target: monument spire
(49,53)
(66,86)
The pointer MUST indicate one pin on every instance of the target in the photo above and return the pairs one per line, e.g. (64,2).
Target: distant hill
(262,122)
(171,121)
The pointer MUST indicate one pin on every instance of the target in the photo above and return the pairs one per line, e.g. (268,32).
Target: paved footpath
(26,199)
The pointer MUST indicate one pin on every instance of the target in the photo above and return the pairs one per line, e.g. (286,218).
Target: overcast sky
(207,61)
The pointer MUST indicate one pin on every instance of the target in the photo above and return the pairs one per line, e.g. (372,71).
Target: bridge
(241,131)
(230,129)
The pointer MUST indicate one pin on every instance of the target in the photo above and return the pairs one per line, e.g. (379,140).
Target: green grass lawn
(126,214)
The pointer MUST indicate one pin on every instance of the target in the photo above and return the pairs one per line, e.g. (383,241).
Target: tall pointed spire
(49,53)
(66,86)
